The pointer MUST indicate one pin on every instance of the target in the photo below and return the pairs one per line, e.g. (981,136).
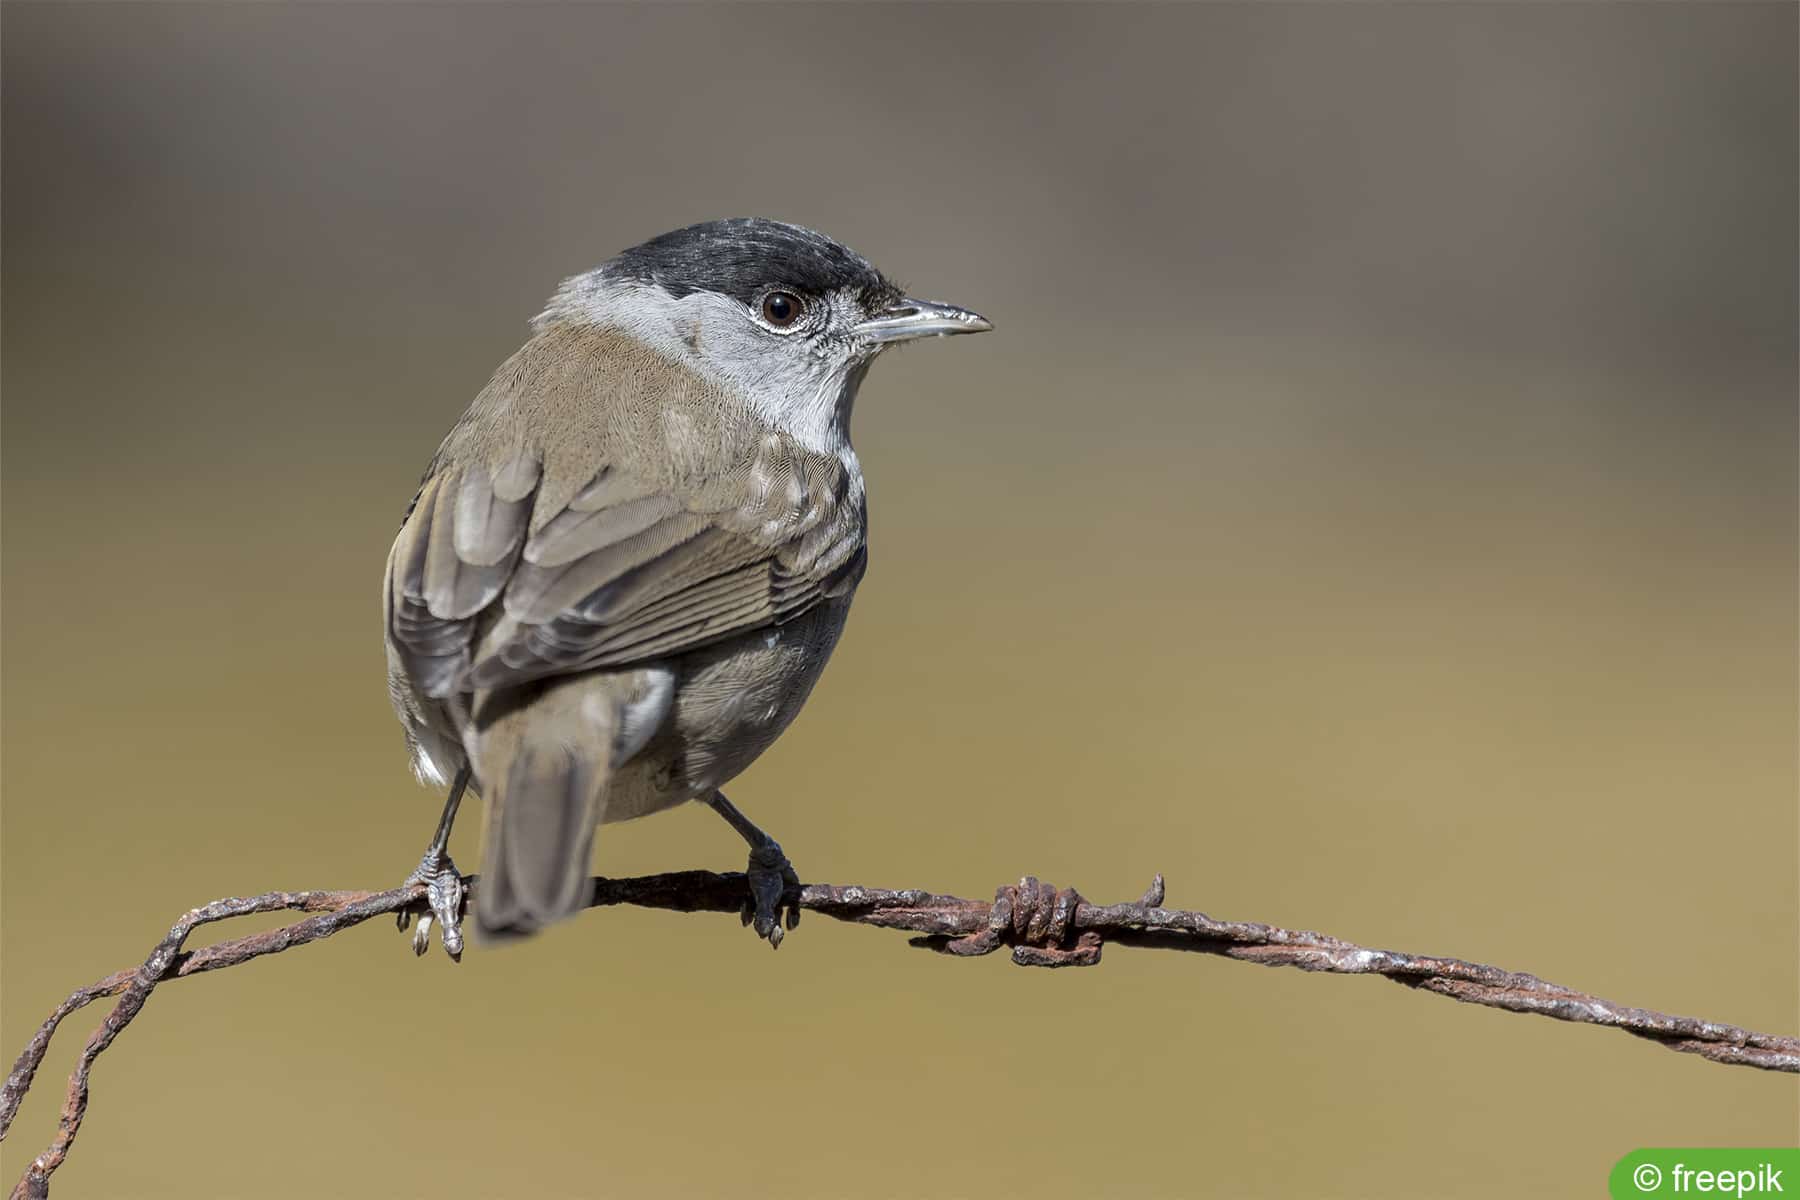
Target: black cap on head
(741,256)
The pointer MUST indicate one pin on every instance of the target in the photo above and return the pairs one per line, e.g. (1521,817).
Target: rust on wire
(1044,926)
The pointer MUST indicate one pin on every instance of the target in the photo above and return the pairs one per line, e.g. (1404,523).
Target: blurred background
(1375,510)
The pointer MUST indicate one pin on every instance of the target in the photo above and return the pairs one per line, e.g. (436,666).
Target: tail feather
(540,840)
(542,756)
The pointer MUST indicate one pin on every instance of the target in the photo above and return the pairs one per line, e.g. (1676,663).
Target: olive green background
(1375,509)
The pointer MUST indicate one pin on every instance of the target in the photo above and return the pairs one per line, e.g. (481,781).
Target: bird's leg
(444,887)
(771,875)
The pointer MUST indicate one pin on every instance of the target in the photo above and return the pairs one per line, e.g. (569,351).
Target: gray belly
(732,700)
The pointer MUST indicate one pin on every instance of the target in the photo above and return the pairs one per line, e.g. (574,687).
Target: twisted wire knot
(1036,920)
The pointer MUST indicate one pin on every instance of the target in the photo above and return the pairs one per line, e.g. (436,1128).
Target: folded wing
(625,572)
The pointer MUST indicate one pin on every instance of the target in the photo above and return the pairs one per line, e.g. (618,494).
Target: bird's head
(786,317)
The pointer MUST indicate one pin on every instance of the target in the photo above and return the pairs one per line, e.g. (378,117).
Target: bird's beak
(908,318)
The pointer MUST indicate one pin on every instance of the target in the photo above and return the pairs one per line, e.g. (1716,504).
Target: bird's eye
(781,309)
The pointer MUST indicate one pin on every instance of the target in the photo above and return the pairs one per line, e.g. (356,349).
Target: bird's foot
(772,881)
(446,893)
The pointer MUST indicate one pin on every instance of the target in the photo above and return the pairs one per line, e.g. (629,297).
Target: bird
(628,562)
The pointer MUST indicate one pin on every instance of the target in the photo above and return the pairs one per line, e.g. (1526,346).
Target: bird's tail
(543,766)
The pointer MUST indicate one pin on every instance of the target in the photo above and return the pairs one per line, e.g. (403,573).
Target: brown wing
(624,573)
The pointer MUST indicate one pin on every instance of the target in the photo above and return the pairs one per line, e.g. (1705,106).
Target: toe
(445,894)
(772,880)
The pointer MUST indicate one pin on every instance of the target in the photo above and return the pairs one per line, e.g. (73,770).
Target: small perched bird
(629,560)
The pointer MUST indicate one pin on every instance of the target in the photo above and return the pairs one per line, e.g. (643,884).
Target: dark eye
(781,309)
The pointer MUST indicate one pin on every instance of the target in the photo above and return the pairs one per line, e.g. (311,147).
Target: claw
(445,893)
(770,876)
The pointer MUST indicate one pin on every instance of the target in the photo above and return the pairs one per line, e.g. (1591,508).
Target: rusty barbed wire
(1042,925)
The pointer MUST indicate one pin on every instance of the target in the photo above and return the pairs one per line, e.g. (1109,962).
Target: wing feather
(470,547)
(538,593)
(624,572)
(431,648)
(573,533)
